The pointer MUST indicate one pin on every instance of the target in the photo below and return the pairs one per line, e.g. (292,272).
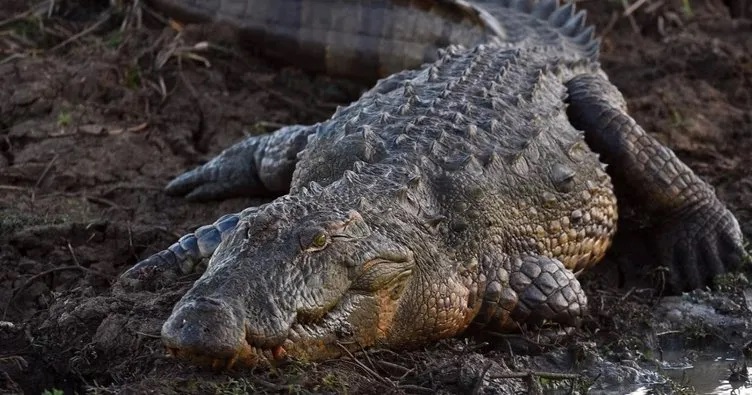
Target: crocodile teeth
(278,352)
(231,361)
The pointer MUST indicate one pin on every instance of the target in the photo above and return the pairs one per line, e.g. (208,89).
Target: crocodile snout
(206,330)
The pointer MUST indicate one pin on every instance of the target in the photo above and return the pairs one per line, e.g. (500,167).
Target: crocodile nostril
(211,301)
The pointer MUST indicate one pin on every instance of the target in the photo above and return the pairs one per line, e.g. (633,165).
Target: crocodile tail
(367,39)
(544,23)
(362,39)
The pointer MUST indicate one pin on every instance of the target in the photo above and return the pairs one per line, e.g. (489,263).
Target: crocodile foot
(697,246)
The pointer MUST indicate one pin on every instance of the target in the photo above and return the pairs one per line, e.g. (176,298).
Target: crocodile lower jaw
(245,356)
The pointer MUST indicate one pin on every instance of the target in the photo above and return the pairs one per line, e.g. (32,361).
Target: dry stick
(41,178)
(632,8)
(545,375)
(14,188)
(611,23)
(631,19)
(36,9)
(270,385)
(33,278)
(84,32)
(366,368)
(479,381)
(416,388)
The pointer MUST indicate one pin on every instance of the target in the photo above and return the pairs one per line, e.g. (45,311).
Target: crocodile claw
(231,173)
(698,247)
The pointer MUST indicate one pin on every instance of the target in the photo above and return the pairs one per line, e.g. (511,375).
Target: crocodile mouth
(208,332)
(245,356)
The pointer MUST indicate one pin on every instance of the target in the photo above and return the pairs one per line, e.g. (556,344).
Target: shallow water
(709,375)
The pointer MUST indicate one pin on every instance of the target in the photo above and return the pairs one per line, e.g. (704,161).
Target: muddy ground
(100,106)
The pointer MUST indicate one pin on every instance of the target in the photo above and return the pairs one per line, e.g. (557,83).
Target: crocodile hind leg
(689,231)
(257,165)
(531,289)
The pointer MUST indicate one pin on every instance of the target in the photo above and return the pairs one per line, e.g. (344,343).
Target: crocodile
(367,39)
(468,192)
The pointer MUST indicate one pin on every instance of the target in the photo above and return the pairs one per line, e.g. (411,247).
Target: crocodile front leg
(530,289)
(690,232)
(255,166)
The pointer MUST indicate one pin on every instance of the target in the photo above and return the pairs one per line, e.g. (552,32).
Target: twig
(270,385)
(632,8)
(36,9)
(390,365)
(611,23)
(14,188)
(545,375)
(479,381)
(366,368)
(37,276)
(45,171)
(416,388)
(20,362)
(84,32)
(631,19)
(149,335)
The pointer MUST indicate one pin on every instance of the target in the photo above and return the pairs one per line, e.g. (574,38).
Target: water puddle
(710,375)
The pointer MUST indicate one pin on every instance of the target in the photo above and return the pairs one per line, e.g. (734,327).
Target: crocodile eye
(314,240)
(319,240)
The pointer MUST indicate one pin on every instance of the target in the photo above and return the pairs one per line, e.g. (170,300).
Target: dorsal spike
(457,118)
(351,176)
(472,165)
(408,90)
(434,220)
(402,193)
(359,165)
(315,187)
(497,104)
(492,159)
(496,127)
(384,117)
(562,15)
(435,148)
(364,204)
(544,9)
(433,74)
(574,24)
(414,181)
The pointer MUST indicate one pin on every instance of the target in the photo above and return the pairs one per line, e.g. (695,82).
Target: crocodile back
(557,29)
(369,39)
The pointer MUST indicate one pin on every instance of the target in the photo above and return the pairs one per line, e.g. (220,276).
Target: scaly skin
(458,193)
(361,39)
(366,39)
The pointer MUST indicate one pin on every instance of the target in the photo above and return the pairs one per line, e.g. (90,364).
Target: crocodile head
(295,281)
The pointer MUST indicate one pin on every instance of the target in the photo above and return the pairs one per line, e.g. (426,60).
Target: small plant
(64,118)
(54,391)
(114,39)
(687,7)
(132,77)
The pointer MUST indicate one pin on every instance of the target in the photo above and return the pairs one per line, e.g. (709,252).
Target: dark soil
(98,112)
